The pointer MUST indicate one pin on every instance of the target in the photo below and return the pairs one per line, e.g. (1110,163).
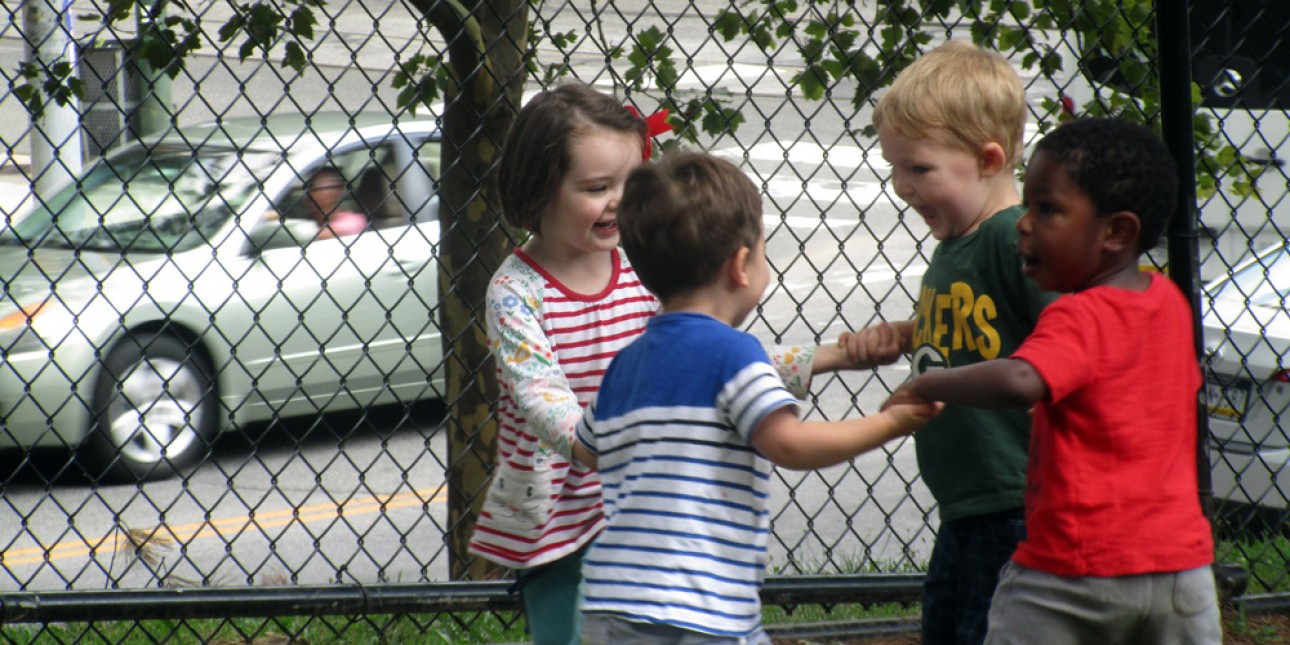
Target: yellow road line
(224,527)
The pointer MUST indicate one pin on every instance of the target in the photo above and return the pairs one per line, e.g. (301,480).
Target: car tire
(154,413)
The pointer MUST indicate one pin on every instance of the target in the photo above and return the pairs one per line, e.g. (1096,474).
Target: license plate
(1227,400)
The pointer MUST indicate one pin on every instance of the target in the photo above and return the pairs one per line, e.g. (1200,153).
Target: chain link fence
(210,400)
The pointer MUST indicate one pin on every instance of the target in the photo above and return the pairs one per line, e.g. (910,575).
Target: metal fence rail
(212,411)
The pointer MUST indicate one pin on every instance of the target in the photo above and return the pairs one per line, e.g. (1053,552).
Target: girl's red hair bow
(655,125)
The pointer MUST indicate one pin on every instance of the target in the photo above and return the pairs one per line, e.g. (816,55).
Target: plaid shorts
(962,575)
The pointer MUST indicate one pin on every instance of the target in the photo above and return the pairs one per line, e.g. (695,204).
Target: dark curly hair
(1121,166)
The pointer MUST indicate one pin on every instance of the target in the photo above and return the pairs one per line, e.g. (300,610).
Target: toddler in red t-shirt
(1112,373)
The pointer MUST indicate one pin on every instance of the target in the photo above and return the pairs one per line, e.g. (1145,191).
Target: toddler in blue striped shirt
(691,417)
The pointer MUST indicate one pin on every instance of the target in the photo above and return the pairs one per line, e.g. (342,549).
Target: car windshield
(1265,282)
(163,198)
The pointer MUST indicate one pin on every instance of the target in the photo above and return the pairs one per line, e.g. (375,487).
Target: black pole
(1176,115)
(1176,118)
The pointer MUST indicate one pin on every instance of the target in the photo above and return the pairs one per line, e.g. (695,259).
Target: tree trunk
(488,81)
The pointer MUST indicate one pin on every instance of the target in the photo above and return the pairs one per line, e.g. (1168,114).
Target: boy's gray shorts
(609,629)
(1179,608)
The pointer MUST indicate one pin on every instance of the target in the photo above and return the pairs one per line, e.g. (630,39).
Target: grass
(817,613)
(442,629)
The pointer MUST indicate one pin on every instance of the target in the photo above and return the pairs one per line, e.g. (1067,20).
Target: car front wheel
(154,410)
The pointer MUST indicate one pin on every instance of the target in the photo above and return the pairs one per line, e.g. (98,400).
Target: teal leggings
(552,597)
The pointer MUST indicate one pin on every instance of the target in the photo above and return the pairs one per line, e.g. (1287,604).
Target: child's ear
(1121,232)
(737,267)
(992,159)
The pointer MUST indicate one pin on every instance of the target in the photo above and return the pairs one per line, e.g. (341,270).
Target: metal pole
(1176,112)
(1176,117)
(56,151)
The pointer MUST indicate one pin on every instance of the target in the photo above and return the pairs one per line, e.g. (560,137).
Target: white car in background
(180,288)
(1243,70)
(1247,388)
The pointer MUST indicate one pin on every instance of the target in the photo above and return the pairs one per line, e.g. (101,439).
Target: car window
(376,189)
(365,176)
(428,154)
(167,198)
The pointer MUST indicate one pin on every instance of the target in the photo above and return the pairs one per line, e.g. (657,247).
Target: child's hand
(904,395)
(911,412)
(875,345)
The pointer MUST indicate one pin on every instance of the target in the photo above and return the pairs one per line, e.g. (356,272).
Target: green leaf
(118,10)
(666,75)
(231,28)
(651,38)
(785,7)
(1227,156)
(812,81)
(719,120)
(302,22)
(812,50)
(294,57)
(1013,39)
(845,40)
(728,25)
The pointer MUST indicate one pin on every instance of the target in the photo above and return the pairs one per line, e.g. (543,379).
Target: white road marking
(805,152)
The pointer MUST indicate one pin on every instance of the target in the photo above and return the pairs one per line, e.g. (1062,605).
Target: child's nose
(900,183)
(1023,223)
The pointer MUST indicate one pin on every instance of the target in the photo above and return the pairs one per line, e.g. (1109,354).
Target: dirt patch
(1255,629)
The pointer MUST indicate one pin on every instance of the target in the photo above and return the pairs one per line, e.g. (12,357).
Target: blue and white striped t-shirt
(685,494)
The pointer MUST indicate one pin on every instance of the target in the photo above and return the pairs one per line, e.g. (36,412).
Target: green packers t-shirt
(975,305)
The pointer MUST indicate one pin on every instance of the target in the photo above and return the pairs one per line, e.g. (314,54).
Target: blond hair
(958,89)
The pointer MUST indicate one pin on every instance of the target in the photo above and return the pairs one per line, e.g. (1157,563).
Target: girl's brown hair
(535,157)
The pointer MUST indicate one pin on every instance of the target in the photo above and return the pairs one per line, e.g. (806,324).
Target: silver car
(1247,388)
(182,289)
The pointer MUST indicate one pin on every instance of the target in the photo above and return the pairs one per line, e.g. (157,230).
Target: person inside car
(323,195)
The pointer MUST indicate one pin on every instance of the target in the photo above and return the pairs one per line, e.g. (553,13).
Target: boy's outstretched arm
(792,443)
(1000,383)
(880,344)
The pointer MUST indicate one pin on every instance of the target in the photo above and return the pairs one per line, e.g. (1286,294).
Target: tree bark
(481,103)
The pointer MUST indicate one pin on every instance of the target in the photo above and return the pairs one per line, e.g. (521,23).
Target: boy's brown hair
(535,157)
(958,89)
(681,219)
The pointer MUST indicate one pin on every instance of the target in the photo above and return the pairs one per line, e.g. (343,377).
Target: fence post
(1176,117)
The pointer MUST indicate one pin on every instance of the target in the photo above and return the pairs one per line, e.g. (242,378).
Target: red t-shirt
(1111,481)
